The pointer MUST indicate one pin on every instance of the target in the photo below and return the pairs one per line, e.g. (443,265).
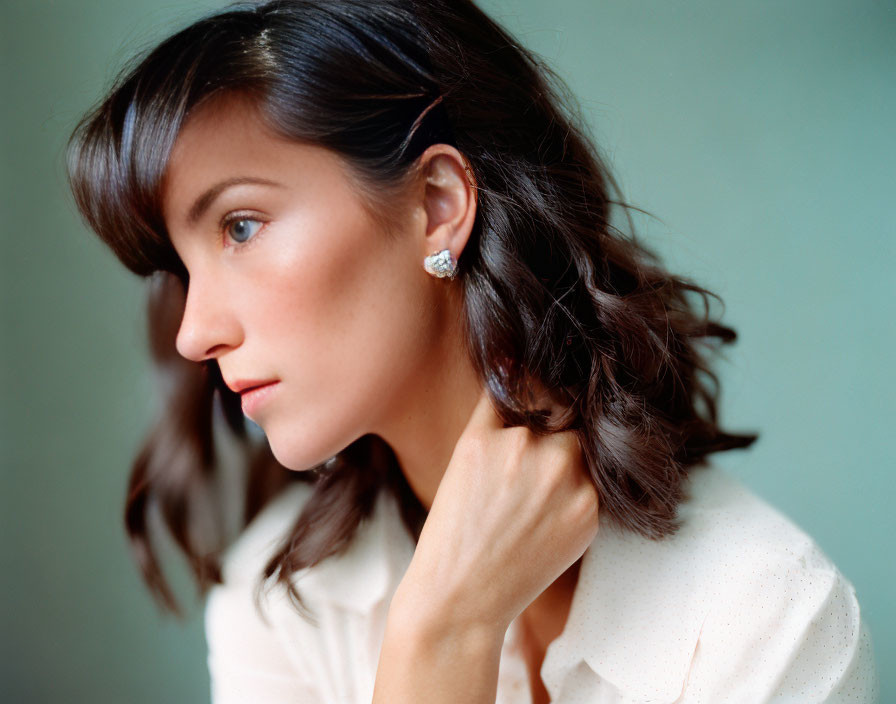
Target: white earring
(441,264)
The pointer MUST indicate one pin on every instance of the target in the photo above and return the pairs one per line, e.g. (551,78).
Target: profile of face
(292,279)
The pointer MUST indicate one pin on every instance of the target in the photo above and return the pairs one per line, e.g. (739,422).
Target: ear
(449,199)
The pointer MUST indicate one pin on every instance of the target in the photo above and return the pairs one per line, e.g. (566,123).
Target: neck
(436,404)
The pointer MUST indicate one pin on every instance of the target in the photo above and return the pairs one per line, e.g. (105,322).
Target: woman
(378,231)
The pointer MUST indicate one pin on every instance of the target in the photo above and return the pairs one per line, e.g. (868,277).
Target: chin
(299,456)
(294,459)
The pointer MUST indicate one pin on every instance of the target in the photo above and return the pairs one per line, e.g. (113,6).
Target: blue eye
(241,230)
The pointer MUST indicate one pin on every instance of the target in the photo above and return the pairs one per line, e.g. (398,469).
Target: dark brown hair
(554,292)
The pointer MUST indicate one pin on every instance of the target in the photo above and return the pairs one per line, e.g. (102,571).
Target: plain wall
(760,135)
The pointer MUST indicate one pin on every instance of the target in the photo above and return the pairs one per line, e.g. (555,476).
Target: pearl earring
(441,264)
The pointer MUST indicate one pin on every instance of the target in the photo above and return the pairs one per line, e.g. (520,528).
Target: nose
(209,326)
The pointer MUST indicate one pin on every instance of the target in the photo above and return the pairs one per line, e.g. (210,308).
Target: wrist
(429,656)
(430,634)
(428,619)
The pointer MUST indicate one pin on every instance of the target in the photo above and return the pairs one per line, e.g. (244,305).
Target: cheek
(346,323)
(310,327)
(370,321)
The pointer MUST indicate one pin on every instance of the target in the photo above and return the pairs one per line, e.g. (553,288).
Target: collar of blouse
(625,628)
(728,601)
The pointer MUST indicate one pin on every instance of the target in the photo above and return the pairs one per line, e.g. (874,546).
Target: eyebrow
(204,201)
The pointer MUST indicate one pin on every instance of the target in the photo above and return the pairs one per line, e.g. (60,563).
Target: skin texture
(513,512)
(362,340)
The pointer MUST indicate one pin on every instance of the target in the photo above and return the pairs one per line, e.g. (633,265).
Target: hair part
(553,292)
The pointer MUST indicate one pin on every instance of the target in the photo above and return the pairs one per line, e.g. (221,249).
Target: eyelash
(231,218)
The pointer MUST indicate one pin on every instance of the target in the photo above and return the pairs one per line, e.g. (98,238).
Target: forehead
(227,139)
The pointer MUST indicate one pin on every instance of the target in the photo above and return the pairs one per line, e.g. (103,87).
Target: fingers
(484,415)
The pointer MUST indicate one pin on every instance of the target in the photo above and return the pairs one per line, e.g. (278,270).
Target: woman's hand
(513,511)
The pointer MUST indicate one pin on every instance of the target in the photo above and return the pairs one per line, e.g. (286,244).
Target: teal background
(761,135)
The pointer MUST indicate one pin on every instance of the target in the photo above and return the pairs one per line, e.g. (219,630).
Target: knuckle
(518,441)
(564,445)
(566,454)
(519,435)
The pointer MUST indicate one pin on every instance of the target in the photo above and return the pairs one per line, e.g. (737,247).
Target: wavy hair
(554,292)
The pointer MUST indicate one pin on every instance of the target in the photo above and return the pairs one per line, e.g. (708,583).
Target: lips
(240,386)
(256,394)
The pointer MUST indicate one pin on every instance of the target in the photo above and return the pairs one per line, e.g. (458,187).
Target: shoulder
(245,655)
(739,604)
(781,622)
(729,538)
(353,579)
(271,640)
(244,559)
(230,607)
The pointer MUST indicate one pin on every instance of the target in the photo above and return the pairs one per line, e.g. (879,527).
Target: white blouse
(739,606)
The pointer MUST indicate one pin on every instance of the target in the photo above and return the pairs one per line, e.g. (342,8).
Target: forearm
(436,662)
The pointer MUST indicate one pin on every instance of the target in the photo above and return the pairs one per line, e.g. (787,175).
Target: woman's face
(291,280)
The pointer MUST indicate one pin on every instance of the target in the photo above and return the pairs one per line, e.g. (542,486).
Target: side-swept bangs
(300,65)
(118,153)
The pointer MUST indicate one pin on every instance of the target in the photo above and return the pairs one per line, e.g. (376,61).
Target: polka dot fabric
(739,606)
